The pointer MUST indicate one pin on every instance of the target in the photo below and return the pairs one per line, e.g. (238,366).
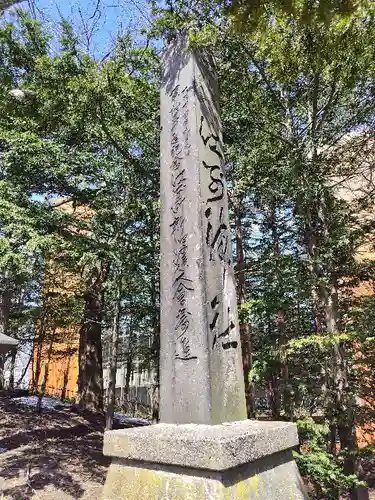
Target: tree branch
(5,4)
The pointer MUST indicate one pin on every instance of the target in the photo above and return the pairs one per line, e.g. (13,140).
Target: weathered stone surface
(274,477)
(214,447)
(201,376)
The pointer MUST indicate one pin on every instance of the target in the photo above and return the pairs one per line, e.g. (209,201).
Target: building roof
(7,343)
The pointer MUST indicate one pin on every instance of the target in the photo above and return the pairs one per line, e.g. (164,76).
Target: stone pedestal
(238,460)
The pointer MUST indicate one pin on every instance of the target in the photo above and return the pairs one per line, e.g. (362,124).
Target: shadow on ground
(57,454)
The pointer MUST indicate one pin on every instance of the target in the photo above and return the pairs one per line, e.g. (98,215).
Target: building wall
(55,353)
(58,367)
(140,387)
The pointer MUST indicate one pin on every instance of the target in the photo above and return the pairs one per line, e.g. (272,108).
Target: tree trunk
(155,403)
(317,294)
(274,398)
(244,327)
(122,393)
(26,369)
(155,357)
(2,365)
(37,367)
(129,367)
(12,368)
(45,378)
(325,315)
(274,391)
(65,379)
(113,362)
(344,403)
(6,299)
(280,318)
(90,376)
(341,407)
(38,347)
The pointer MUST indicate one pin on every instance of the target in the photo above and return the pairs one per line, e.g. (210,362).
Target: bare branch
(5,4)
(265,79)
(96,10)
(109,136)
(324,110)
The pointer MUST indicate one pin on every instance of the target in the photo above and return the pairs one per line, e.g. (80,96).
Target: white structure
(140,384)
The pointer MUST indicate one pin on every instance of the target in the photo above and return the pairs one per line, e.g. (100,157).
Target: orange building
(55,367)
(56,351)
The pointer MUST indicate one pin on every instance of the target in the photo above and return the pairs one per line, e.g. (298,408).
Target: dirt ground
(56,455)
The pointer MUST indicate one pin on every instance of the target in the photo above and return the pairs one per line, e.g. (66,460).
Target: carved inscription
(182,285)
(217,236)
(225,334)
(217,241)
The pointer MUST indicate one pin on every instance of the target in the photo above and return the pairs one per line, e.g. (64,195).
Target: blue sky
(105,18)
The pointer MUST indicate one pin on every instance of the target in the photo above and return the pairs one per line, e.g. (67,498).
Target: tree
(294,88)
(65,126)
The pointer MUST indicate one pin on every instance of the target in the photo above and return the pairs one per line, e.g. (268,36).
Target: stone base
(241,460)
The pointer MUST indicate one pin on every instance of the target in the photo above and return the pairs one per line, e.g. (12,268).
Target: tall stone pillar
(201,375)
(204,448)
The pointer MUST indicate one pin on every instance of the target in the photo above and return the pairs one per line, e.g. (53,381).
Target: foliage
(79,173)
(322,469)
(246,13)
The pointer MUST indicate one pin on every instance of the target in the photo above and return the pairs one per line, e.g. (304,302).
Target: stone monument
(201,376)
(204,448)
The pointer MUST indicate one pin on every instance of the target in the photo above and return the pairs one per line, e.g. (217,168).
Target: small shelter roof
(7,343)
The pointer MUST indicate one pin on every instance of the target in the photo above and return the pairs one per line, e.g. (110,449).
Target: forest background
(79,198)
